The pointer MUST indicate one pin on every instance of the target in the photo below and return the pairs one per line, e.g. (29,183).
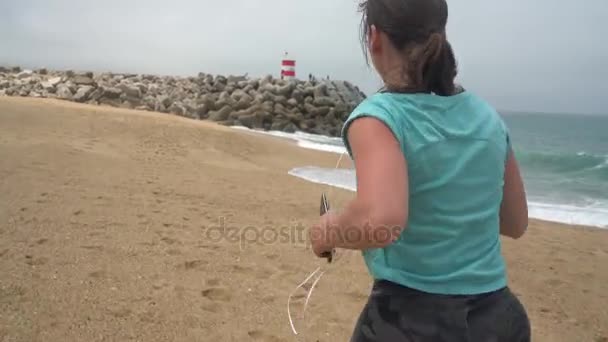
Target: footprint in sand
(174,251)
(268,299)
(213,282)
(272,256)
(93,247)
(258,335)
(217,294)
(194,264)
(30,260)
(211,307)
(97,274)
(169,240)
(554,282)
(119,312)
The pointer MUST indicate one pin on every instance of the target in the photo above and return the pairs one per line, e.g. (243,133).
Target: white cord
(291,295)
(314,284)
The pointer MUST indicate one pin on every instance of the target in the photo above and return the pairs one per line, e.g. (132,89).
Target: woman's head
(407,43)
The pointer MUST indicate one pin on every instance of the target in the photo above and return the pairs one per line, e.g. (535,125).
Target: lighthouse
(288,68)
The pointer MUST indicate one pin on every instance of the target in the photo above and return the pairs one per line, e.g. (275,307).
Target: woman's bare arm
(514,207)
(379,212)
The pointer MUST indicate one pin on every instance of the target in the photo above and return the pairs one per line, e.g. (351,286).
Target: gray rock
(25,74)
(221,114)
(238,94)
(88,74)
(202,111)
(83,80)
(280,110)
(130,90)
(290,128)
(51,83)
(279,124)
(4,84)
(133,102)
(83,93)
(64,92)
(285,90)
(111,93)
(42,71)
(324,101)
(236,79)
(292,102)
(96,94)
(320,90)
(255,120)
(177,108)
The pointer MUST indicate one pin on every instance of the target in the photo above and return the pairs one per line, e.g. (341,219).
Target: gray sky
(541,55)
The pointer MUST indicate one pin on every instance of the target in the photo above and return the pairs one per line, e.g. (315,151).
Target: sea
(563,159)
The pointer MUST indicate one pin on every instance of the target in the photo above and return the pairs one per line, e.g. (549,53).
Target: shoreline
(533,205)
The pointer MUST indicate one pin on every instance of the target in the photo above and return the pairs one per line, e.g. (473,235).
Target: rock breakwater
(268,103)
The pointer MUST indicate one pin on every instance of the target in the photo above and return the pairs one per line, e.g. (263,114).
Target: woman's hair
(417,28)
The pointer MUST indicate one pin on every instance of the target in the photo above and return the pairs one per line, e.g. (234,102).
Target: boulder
(111,93)
(290,128)
(324,101)
(130,90)
(255,120)
(319,90)
(292,102)
(64,92)
(202,111)
(25,74)
(221,114)
(82,80)
(51,83)
(96,94)
(83,93)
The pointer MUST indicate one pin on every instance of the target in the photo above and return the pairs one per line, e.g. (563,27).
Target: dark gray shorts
(395,313)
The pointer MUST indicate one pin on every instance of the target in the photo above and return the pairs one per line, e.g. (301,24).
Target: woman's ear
(375,44)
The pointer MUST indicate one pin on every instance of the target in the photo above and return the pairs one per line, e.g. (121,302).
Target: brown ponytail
(416,27)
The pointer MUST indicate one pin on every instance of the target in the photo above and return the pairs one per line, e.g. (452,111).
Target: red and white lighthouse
(288,68)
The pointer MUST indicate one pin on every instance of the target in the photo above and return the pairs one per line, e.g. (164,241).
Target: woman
(437,183)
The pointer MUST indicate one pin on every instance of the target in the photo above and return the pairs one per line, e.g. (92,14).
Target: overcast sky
(540,55)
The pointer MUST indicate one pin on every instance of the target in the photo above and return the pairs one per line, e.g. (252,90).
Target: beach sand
(107,233)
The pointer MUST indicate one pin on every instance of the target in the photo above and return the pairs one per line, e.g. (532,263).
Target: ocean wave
(595,215)
(563,163)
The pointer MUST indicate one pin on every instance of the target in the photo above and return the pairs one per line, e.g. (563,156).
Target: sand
(106,234)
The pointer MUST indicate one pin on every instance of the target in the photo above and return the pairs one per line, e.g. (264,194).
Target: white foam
(340,178)
(306,140)
(595,215)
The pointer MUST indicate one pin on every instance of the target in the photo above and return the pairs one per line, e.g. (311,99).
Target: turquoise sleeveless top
(456,148)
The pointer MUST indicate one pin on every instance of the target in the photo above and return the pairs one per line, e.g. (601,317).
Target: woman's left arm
(376,217)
